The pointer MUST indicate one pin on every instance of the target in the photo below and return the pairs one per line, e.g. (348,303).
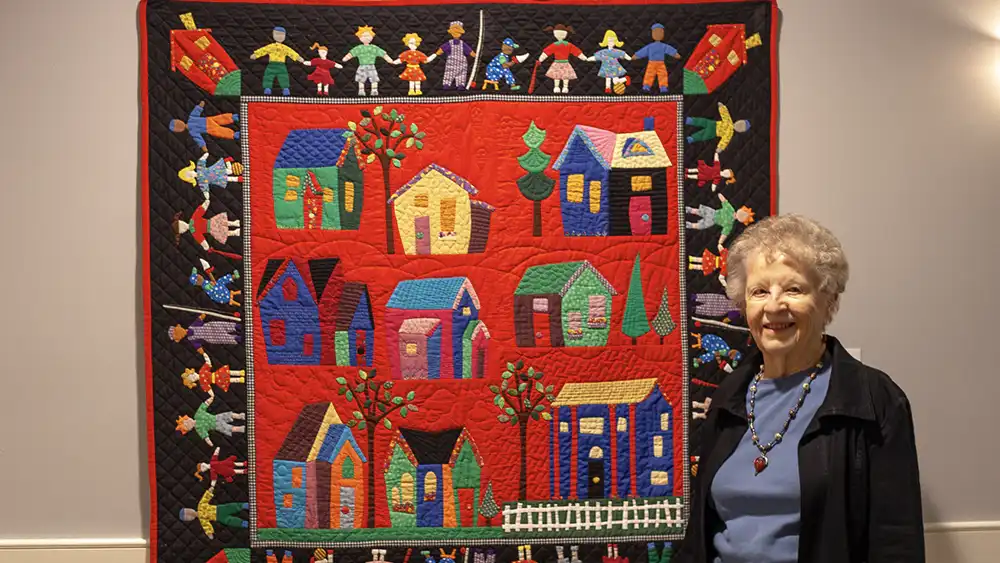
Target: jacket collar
(847,395)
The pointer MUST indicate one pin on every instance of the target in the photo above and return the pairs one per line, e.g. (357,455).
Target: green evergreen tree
(488,508)
(663,323)
(635,323)
(535,185)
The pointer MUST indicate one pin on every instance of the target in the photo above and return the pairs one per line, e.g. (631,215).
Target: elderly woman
(807,455)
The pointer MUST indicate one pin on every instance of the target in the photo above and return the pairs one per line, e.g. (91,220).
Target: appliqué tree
(488,508)
(382,141)
(663,323)
(521,397)
(535,185)
(635,323)
(372,409)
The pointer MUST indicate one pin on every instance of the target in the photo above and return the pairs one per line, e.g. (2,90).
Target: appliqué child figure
(456,64)
(724,218)
(367,54)
(499,68)
(656,52)
(561,71)
(206,513)
(413,59)
(321,65)
(276,53)
(218,175)
(724,129)
(614,74)
(219,227)
(205,422)
(226,468)
(206,377)
(216,289)
(201,332)
(711,173)
(198,126)
(708,263)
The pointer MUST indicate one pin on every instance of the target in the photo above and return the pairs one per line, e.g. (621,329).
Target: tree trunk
(536,228)
(371,475)
(522,426)
(633,341)
(390,237)
(661,340)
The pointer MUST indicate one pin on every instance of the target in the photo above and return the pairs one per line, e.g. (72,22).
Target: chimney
(649,124)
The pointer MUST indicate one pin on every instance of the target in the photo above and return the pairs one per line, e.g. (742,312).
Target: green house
(564,304)
(433,479)
(318,181)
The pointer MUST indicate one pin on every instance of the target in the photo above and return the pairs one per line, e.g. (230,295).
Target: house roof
(350,298)
(318,433)
(430,171)
(617,150)
(312,148)
(316,274)
(474,328)
(557,278)
(419,326)
(604,393)
(431,448)
(431,294)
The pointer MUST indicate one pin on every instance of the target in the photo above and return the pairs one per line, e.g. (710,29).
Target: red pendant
(760,464)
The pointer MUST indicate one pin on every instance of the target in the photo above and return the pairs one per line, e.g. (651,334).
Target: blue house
(454,305)
(310,316)
(319,473)
(613,184)
(631,418)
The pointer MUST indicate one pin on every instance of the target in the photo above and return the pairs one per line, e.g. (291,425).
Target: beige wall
(889,134)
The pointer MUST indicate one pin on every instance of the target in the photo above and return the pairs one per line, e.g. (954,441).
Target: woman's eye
(794,289)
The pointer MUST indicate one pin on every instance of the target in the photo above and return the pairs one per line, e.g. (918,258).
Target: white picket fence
(628,514)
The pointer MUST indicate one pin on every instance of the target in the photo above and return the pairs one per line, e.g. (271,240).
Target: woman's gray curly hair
(803,240)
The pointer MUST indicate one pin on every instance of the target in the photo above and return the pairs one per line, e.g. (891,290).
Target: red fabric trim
(613,432)
(774,106)
(392,3)
(633,472)
(147,313)
(573,454)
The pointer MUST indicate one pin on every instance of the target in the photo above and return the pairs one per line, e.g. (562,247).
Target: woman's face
(784,307)
(560,34)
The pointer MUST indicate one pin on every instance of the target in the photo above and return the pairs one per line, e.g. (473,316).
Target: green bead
(805,386)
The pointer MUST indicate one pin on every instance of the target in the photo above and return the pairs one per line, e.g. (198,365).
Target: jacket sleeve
(895,519)
(693,535)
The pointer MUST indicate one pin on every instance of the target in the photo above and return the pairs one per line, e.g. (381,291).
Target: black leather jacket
(858,469)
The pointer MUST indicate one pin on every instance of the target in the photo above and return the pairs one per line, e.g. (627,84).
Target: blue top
(655,51)
(761,514)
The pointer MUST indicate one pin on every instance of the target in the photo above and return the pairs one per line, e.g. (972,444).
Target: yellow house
(435,214)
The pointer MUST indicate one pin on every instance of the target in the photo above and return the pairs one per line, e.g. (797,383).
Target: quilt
(436,281)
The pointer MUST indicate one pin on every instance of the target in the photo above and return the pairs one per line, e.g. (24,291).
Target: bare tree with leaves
(521,397)
(375,402)
(383,137)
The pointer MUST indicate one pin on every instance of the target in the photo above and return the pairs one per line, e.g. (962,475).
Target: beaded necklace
(760,463)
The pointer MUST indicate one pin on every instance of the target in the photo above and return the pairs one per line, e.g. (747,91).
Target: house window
(659,478)
(642,183)
(564,427)
(347,471)
(349,196)
(292,184)
(307,344)
(421,200)
(574,324)
(595,196)
(289,289)
(466,311)
(327,195)
(277,332)
(406,488)
(574,188)
(664,421)
(186,62)
(394,497)
(288,501)
(657,446)
(430,486)
(715,40)
(596,453)
(411,348)
(296,477)
(540,305)
(622,424)
(597,311)
(448,215)
(592,425)
(733,58)
(203,42)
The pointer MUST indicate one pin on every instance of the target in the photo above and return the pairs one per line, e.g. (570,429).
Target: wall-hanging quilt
(442,282)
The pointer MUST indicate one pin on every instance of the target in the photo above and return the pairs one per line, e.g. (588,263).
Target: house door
(595,478)
(359,348)
(640,215)
(346,508)
(480,361)
(466,504)
(422,232)
(540,323)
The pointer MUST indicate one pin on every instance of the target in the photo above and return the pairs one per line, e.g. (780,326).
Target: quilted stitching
(241,28)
